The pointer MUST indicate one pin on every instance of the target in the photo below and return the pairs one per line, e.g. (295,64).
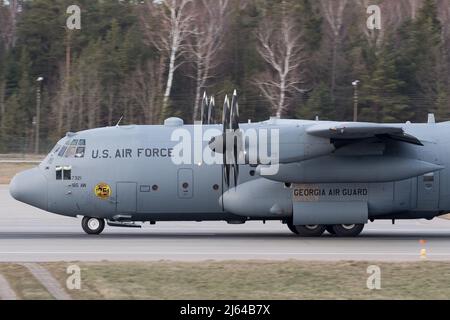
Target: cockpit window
(70,151)
(73,149)
(80,152)
(61,151)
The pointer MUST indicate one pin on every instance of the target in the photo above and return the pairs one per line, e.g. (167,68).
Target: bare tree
(2,101)
(414,6)
(333,11)
(391,18)
(77,103)
(89,93)
(206,42)
(394,13)
(444,16)
(282,49)
(144,89)
(374,37)
(174,19)
(8,22)
(84,95)
(60,104)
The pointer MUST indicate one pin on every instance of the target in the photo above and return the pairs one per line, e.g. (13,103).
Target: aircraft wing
(357,131)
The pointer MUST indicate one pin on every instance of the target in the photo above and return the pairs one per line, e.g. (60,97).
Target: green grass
(240,280)
(257,280)
(23,283)
(8,170)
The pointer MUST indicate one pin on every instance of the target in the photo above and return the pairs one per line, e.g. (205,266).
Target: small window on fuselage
(58,173)
(67,173)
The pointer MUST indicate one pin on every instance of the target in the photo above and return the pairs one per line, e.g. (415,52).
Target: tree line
(147,60)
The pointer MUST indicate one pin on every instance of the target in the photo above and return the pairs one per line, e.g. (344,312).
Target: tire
(330,229)
(310,230)
(292,227)
(93,226)
(348,230)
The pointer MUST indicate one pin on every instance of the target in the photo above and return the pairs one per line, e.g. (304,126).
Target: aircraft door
(185,183)
(126,197)
(428,191)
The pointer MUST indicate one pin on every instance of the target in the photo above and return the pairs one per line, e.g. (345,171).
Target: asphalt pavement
(28,234)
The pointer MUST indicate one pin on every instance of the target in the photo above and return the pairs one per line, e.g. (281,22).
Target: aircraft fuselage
(127,173)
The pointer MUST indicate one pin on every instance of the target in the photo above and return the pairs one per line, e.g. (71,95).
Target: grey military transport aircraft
(321,175)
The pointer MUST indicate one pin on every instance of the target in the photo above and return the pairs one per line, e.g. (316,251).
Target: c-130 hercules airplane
(314,176)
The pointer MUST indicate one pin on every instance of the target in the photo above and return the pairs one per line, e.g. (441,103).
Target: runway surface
(29,234)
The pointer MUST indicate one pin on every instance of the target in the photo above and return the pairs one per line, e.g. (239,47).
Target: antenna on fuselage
(118,122)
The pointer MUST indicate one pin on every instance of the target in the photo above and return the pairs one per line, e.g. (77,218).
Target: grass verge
(257,280)
(8,170)
(23,283)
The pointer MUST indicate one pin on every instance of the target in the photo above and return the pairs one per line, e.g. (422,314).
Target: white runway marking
(48,281)
(6,292)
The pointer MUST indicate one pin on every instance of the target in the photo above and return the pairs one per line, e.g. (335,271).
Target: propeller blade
(236,175)
(226,168)
(212,111)
(237,136)
(234,115)
(235,160)
(230,141)
(226,114)
(226,120)
(204,112)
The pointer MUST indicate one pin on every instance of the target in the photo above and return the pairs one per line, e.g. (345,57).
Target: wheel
(348,230)
(292,227)
(310,230)
(330,230)
(92,225)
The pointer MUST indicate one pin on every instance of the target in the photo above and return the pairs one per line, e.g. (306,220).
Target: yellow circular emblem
(102,191)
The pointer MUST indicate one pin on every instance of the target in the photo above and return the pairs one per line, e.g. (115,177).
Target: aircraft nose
(30,187)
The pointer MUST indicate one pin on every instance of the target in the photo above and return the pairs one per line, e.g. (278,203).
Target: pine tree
(25,93)
(419,48)
(13,134)
(381,91)
(319,104)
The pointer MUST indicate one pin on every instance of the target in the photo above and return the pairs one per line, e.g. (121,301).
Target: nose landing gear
(93,226)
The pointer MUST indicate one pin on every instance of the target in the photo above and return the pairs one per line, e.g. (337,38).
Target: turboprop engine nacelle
(334,169)
(269,199)
(269,144)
